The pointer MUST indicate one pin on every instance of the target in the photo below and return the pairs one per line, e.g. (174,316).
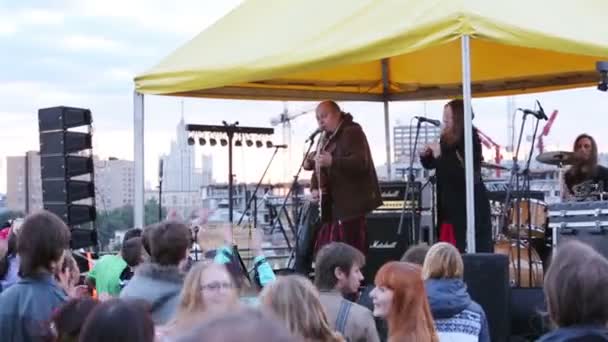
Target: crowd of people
(152,291)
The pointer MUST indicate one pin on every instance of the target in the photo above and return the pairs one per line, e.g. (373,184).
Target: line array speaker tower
(67,172)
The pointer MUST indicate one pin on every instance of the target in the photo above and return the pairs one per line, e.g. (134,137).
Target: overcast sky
(85,53)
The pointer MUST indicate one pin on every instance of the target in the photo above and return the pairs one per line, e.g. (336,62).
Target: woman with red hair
(400,298)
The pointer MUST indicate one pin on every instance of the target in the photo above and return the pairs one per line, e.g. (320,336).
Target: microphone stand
(293,186)
(408,185)
(160,199)
(432,182)
(295,251)
(526,174)
(515,174)
(257,186)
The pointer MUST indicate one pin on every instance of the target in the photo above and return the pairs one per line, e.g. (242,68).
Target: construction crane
(546,129)
(490,143)
(285,119)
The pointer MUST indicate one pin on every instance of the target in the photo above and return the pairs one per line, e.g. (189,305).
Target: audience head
(118,320)
(443,261)
(416,254)
(68,320)
(576,277)
(11,251)
(338,266)
(68,273)
(131,233)
(132,251)
(400,298)
(47,238)
(244,325)
(295,300)
(170,241)
(208,287)
(146,236)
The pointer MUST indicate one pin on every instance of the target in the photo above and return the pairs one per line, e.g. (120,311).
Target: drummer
(585,169)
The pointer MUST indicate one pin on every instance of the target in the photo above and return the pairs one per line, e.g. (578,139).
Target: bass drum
(521,221)
(525,278)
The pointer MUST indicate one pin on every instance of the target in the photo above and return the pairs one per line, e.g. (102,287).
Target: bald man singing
(344,179)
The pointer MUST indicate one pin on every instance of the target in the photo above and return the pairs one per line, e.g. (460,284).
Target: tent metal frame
(138,128)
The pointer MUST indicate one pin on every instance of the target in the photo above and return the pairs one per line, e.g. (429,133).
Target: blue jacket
(26,308)
(579,333)
(12,274)
(457,317)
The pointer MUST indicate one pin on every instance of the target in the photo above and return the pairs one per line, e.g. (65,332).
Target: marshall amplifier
(385,244)
(583,221)
(393,195)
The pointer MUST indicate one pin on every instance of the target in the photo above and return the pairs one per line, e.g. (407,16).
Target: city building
(179,172)
(184,203)
(23,182)
(114,184)
(207,170)
(403,140)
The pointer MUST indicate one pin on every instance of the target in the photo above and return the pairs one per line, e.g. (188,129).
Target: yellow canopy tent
(383,50)
(313,49)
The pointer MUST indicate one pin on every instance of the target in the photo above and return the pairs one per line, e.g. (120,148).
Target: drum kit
(521,225)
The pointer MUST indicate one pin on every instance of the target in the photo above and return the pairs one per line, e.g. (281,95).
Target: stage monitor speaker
(527,313)
(487,279)
(385,244)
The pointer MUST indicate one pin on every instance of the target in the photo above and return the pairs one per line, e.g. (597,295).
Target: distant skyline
(86,53)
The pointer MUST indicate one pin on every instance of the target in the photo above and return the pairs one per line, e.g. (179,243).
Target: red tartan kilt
(352,232)
(447,234)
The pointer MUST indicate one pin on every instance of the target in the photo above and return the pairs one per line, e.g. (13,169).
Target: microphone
(539,114)
(541,110)
(280,146)
(314,134)
(431,121)
(536,113)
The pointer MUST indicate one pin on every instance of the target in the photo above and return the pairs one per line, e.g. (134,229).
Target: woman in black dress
(451,184)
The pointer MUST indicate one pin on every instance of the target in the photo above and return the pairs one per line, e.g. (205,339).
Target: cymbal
(492,166)
(556,158)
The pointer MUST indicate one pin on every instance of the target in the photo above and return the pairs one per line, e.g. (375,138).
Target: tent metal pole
(387,128)
(138,149)
(468,142)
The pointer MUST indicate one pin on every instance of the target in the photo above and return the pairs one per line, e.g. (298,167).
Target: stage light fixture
(238,143)
(223,142)
(190,141)
(269,144)
(202,141)
(258,144)
(249,143)
(212,142)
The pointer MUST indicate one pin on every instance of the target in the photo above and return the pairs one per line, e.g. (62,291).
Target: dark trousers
(352,232)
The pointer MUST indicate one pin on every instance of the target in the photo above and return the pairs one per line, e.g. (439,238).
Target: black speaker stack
(67,170)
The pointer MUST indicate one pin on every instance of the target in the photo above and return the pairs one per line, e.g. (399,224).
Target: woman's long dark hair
(454,135)
(586,168)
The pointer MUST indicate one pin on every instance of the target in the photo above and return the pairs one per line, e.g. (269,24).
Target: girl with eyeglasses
(208,289)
